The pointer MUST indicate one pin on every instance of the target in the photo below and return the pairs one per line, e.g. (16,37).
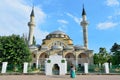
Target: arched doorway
(70,57)
(82,58)
(55,69)
(42,59)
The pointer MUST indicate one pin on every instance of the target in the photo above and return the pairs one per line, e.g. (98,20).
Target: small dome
(33,47)
(68,48)
(57,47)
(44,48)
(78,47)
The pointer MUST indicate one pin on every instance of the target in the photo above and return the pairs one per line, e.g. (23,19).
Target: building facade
(60,43)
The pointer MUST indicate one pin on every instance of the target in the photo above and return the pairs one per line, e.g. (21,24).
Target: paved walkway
(67,77)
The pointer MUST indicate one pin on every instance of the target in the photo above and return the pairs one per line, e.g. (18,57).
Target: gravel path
(66,77)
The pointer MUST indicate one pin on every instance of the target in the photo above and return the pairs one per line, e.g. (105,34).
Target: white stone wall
(55,59)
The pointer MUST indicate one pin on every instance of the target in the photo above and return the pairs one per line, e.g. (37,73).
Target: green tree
(115,50)
(14,50)
(96,58)
(102,56)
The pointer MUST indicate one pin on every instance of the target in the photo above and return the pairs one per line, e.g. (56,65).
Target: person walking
(72,72)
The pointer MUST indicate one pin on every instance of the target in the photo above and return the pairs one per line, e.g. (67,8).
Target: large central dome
(57,34)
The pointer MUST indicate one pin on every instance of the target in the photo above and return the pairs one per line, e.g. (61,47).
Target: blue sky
(65,15)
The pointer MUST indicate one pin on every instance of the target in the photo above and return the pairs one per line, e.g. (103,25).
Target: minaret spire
(31,25)
(83,12)
(84,24)
(32,13)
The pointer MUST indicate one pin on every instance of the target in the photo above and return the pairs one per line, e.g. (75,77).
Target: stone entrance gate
(55,65)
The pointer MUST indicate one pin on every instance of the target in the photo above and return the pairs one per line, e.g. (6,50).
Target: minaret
(84,24)
(31,25)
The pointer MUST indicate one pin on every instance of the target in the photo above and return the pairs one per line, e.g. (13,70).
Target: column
(37,59)
(76,62)
(37,63)
(85,67)
(4,67)
(106,67)
(110,65)
(25,68)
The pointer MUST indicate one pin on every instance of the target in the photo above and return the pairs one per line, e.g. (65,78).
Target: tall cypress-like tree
(34,41)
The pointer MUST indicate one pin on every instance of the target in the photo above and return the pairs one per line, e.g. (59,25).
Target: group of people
(72,72)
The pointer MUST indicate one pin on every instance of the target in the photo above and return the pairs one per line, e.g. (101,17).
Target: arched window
(34,56)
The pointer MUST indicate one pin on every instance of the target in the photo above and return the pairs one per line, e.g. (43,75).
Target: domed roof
(58,32)
(78,47)
(57,47)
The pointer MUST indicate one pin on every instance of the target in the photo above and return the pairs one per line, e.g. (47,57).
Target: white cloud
(63,28)
(110,17)
(106,25)
(76,19)
(63,24)
(62,21)
(15,16)
(112,2)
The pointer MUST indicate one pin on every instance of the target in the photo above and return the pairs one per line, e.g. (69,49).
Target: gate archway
(55,69)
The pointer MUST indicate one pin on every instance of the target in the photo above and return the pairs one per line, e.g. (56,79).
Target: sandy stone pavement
(66,77)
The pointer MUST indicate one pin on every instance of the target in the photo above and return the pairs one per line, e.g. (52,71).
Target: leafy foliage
(102,56)
(96,58)
(14,50)
(115,50)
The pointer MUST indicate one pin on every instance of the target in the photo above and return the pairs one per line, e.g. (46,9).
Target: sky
(65,15)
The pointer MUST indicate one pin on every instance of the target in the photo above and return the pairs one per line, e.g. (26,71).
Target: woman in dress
(72,72)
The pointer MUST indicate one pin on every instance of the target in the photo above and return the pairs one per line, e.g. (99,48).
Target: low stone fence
(5,66)
(26,68)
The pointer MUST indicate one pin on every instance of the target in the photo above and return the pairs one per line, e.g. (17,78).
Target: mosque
(58,43)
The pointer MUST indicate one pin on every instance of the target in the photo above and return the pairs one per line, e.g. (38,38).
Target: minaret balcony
(44,48)
(31,24)
(84,23)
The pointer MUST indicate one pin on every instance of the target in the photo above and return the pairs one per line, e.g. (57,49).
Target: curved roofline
(58,32)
